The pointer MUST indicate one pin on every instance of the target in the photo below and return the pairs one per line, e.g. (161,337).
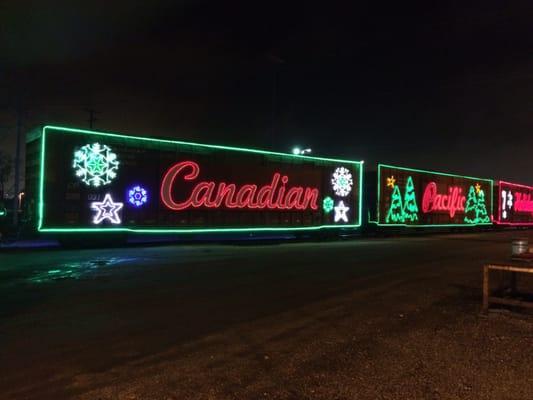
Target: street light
(300,152)
(20,196)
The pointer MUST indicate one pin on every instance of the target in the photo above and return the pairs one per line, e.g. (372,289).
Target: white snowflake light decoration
(95,164)
(342,181)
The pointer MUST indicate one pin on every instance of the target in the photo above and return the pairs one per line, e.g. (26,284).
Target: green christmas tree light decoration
(396,213)
(410,208)
(327,204)
(482,216)
(402,211)
(470,206)
(475,208)
(95,164)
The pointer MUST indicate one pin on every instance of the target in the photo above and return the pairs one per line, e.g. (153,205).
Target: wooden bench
(514,269)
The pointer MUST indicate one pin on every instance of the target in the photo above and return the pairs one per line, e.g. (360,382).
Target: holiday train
(81,181)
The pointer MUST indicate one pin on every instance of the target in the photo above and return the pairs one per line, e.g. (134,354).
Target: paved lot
(390,318)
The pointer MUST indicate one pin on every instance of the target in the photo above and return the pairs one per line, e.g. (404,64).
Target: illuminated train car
(415,198)
(88,182)
(81,182)
(515,205)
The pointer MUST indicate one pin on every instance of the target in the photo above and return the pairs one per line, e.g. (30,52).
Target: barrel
(519,246)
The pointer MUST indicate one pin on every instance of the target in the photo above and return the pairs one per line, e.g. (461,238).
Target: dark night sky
(437,85)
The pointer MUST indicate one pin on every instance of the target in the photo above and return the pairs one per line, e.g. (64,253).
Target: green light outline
(40,228)
(490,181)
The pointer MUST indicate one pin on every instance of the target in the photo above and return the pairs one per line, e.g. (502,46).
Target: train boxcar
(89,181)
(408,197)
(515,204)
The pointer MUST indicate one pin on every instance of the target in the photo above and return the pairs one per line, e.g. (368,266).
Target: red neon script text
(523,202)
(452,202)
(275,195)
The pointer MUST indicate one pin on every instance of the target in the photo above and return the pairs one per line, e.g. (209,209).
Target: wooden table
(514,269)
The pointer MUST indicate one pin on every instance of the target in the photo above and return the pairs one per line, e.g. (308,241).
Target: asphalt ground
(395,318)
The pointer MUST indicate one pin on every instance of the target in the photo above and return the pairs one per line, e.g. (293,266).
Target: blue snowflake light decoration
(137,196)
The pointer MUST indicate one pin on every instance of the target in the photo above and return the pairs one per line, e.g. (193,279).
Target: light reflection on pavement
(89,269)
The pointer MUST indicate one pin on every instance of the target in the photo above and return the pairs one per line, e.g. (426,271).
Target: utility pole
(17,167)
(276,64)
(275,102)
(92,119)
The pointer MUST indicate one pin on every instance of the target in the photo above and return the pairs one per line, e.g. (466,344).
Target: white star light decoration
(342,181)
(107,210)
(95,164)
(340,212)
